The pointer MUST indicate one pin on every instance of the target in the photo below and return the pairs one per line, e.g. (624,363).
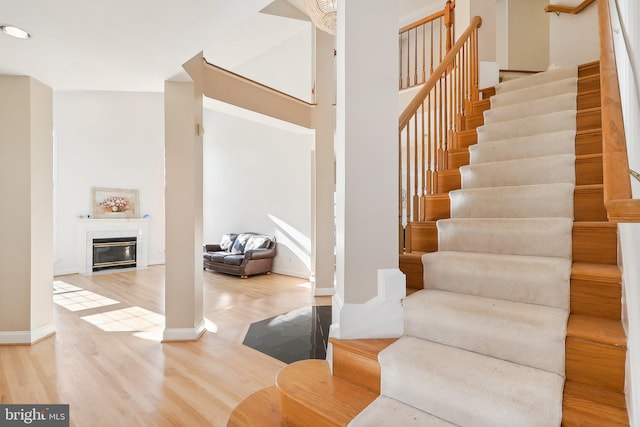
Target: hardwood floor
(108,364)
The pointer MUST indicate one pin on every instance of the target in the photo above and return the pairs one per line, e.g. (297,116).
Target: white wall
(258,178)
(627,45)
(106,139)
(287,66)
(528,29)
(573,39)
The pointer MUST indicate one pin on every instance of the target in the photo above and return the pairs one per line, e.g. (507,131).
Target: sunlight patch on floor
(82,300)
(146,324)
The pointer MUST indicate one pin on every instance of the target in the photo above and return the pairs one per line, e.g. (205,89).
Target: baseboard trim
(27,337)
(380,317)
(184,334)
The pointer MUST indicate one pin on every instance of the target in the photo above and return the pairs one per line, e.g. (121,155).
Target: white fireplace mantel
(89,229)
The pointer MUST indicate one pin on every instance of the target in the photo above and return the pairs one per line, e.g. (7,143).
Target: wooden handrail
(618,201)
(419,98)
(439,14)
(567,9)
(423,45)
(425,20)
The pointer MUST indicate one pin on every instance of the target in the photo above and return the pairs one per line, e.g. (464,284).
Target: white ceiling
(136,45)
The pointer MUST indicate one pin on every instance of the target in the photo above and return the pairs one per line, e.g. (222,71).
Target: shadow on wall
(295,242)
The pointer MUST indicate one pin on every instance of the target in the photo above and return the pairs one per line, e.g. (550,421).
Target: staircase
(553,303)
(595,344)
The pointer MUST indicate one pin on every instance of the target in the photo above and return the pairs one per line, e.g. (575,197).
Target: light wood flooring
(108,364)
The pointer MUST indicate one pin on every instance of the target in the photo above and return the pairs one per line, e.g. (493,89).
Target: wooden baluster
(445,119)
(416,194)
(431,51)
(400,226)
(400,59)
(424,52)
(424,167)
(408,58)
(415,59)
(440,39)
(430,146)
(408,176)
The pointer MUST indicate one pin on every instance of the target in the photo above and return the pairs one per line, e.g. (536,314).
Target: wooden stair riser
(588,119)
(595,364)
(593,407)
(589,83)
(356,361)
(479,107)
(588,100)
(589,169)
(589,69)
(312,396)
(264,406)
(487,92)
(596,298)
(595,243)
(422,236)
(296,414)
(411,266)
(467,138)
(437,207)
(473,121)
(589,142)
(458,158)
(449,180)
(588,203)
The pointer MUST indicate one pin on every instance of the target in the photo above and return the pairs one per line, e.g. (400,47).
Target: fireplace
(126,229)
(119,252)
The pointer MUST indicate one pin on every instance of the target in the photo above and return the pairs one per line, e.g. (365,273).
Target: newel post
(449,18)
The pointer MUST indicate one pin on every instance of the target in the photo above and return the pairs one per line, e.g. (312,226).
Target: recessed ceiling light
(14,31)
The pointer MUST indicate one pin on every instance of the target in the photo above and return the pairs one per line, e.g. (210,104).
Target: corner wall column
(323,258)
(26,216)
(369,284)
(183,212)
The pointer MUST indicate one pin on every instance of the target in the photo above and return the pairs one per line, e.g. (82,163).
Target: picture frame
(115,202)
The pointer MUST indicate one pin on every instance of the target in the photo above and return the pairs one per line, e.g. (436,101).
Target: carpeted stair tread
(534,170)
(385,412)
(544,144)
(527,279)
(527,334)
(554,74)
(527,126)
(546,90)
(548,237)
(536,107)
(524,201)
(469,389)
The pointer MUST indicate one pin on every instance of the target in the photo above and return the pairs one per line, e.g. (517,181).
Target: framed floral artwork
(114,203)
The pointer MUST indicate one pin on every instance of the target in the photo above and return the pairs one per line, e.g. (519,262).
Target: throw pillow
(239,244)
(257,242)
(227,241)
